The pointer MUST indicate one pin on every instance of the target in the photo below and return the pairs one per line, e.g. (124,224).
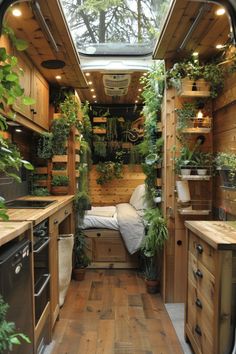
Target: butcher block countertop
(220,235)
(10,230)
(38,215)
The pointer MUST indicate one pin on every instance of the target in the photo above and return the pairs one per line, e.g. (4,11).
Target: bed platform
(107,250)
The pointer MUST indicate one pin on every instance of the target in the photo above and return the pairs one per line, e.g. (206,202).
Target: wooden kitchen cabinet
(211,285)
(60,222)
(40,92)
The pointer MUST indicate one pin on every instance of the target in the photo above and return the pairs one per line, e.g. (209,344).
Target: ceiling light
(18,130)
(94,96)
(92,90)
(139,90)
(195,54)
(90,83)
(220,46)
(95,101)
(220,11)
(136,101)
(144,74)
(87,74)
(16,12)
(58,77)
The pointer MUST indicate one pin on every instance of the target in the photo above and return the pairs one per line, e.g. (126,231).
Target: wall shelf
(195,177)
(195,207)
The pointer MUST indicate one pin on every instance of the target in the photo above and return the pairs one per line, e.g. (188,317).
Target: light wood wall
(118,190)
(224,139)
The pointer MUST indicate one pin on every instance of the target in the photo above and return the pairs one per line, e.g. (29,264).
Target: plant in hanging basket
(226,165)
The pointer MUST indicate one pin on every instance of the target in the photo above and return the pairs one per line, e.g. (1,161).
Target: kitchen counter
(10,230)
(38,215)
(221,235)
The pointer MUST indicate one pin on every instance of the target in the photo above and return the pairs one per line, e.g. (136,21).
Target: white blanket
(131,226)
(106,211)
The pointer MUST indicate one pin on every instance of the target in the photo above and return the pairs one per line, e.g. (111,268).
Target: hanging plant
(112,128)
(108,171)
(60,130)
(69,109)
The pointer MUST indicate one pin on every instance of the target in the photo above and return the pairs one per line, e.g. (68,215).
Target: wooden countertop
(219,234)
(38,215)
(10,230)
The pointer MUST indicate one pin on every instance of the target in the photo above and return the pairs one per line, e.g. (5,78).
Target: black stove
(29,204)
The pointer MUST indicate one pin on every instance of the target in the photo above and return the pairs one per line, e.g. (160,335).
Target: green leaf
(27,165)
(3,54)
(3,215)
(10,100)
(13,60)
(28,101)
(12,77)
(20,44)
(16,177)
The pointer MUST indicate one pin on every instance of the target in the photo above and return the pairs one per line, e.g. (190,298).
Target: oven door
(41,276)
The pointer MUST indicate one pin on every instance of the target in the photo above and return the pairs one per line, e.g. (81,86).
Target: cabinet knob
(198,273)
(98,234)
(199,248)
(55,221)
(198,303)
(198,330)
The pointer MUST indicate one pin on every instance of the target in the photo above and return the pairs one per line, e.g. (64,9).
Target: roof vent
(116,80)
(119,91)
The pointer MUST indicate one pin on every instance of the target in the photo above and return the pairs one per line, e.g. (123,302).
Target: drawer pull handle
(98,234)
(198,330)
(198,273)
(66,212)
(199,248)
(55,222)
(198,303)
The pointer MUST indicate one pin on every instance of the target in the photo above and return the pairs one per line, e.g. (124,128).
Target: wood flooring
(110,313)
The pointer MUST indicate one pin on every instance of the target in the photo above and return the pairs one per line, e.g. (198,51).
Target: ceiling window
(115,27)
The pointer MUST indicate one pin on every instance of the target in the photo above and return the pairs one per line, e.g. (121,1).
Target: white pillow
(137,199)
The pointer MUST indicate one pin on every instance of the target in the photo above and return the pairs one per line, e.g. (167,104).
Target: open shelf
(99,119)
(190,88)
(196,130)
(195,177)
(195,207)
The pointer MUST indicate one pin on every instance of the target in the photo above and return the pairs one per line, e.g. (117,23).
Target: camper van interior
(117,177)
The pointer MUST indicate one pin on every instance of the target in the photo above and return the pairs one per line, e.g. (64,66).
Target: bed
(124,221)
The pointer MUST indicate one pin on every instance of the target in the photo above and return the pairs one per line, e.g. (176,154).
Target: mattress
(101,217)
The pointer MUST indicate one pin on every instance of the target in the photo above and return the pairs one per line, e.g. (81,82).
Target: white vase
(201,171)
(185,171)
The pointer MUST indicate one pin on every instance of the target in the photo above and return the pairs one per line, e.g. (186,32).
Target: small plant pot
(185,171)
(78,274)
(201,171)
(59,190)
(157,199)
(152,286)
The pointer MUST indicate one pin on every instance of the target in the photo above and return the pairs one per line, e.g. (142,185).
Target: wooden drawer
(109,249)
(60,215)
(200,310)
(201,341)
(201,279)
(102,233)
(203,252)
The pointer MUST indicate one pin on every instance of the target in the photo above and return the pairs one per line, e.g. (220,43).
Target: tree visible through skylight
(94,22)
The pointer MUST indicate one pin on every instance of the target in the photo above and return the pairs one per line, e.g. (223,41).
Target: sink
(29,204)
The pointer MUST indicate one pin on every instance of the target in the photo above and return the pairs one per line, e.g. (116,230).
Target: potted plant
(202,162)
(185,114)
(184,161)
(226,165)
(80,257)
(45,146)
(155,237)
(60,185)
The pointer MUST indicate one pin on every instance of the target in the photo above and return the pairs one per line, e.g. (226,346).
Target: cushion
(137,199)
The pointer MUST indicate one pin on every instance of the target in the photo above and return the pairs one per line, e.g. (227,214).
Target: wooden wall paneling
(118,190)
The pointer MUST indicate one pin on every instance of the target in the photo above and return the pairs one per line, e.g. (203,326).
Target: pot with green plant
(226,165)
(202,162)
(184,161)
(81,259)
(185,115)
(60,185)
(153,242)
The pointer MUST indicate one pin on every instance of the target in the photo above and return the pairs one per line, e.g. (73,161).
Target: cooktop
(29,204)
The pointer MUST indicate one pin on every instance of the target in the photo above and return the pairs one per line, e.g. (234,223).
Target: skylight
(115,27)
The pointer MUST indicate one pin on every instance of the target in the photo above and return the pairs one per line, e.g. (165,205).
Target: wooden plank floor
(111,313)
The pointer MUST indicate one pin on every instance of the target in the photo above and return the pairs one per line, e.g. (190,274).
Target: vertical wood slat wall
(224,139)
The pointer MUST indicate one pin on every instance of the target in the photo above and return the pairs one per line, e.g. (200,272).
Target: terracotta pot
(152,286)
(59,190)
(78,274)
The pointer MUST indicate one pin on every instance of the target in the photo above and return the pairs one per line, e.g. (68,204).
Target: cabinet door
(54,285)
(25,82)
(41,95)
